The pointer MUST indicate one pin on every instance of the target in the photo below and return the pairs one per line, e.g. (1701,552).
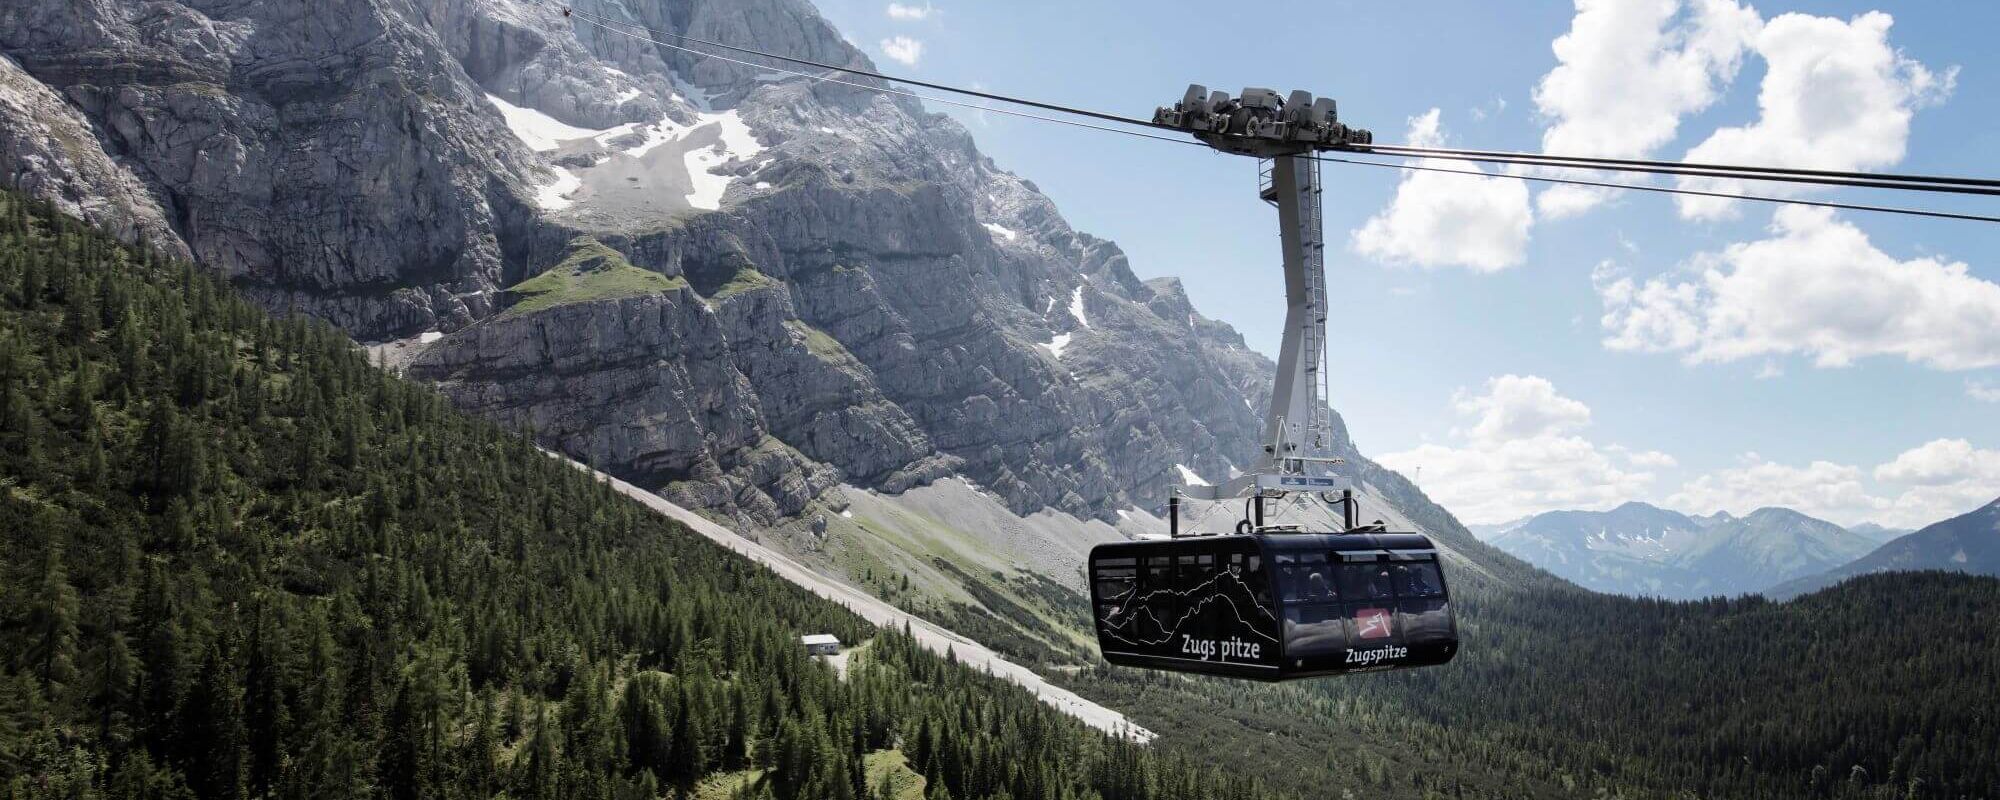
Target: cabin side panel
(1203,605)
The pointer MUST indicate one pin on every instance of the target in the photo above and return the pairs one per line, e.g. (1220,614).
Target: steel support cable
(607,24)
(1505,156)
(1556,162)
(591,19)
(1873,180)
(883,89)
(1915,212)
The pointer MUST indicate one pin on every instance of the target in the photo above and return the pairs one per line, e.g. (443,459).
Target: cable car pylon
(1284,133)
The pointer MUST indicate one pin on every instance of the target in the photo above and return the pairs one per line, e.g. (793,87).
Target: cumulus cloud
(903,49)
(1439,219)
(1943,462)
(1491,108)
(1835,96)
(1982,391)
(1520,453)
(911,13)
(1928,483)
(1518,407)
(1823,489)
(1816,288)
(1627,72)
(1644,458)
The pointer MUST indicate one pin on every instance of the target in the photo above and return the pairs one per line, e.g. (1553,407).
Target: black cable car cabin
(1273,607)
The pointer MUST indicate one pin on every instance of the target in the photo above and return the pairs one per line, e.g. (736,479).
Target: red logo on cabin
(1371,623)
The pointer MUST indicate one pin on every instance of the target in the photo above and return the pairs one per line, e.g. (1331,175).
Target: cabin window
(1158,600)
(1425,620)
(1313,630)
(1116,577)
(1418,580)
(1194,570)
(1366,581)
(1250,569)
(1308,579)
(1117,583)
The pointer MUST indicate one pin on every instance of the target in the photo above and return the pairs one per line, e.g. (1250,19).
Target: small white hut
(821,644)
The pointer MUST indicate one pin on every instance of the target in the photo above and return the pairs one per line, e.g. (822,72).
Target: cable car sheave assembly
(1276,602)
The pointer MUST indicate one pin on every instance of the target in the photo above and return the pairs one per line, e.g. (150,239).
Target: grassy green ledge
(591,271)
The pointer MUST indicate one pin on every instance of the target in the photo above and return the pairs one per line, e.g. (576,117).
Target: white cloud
(1520,455)
(1932,482)
(1817,287)
(1982,391)
(1835,96)
(1823,489)
(912,13)
(1941,462)
(1439,219)
(903,49)
(1491,108)
(1653,459)
(1627,72)
(1520,407)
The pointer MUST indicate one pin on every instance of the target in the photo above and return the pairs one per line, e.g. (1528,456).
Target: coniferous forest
(236,560)
(1880,688)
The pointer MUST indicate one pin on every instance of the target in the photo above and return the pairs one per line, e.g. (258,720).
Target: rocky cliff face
(330,156)
(856,293)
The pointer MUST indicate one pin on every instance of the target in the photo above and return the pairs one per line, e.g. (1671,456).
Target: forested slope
(236,560)
(1882,687)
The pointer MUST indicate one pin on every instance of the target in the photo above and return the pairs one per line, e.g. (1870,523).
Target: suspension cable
(885,89)
(1561,163)
(1640,187)
(1505,156)
(1881,180)
(607,24)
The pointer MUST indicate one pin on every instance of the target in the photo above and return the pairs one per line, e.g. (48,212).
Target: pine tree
(52,617)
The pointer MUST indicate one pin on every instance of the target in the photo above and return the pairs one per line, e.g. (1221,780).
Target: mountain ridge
(1638,548)
(1968,543)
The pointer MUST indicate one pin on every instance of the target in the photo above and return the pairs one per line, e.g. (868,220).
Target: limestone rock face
(51,151)
(328,155)
(858,294)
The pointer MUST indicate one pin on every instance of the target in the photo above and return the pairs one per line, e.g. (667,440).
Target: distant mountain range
(1878,533)
(1639,549)
(1966,543)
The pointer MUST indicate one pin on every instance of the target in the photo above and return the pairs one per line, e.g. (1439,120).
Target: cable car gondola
(1273,606)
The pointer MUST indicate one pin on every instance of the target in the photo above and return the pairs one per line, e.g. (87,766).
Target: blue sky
(1535,351)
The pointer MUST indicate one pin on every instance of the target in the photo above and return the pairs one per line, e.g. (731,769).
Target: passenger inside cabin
(1418,580)
(1366,581)
(1317,587)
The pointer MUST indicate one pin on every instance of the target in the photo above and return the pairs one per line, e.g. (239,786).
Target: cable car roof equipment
(1276,602)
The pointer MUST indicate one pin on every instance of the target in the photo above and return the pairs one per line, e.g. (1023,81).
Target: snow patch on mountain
(555,196)
(735,142)
(539,131)
(1056,345)
(1190,477)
